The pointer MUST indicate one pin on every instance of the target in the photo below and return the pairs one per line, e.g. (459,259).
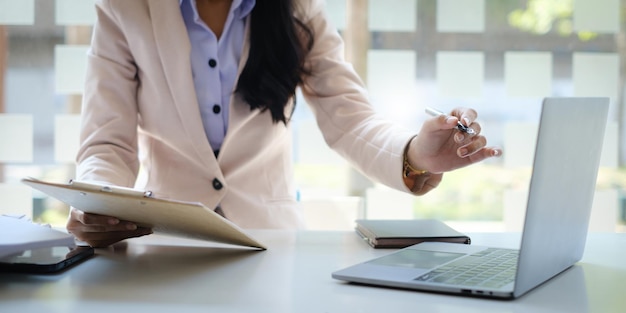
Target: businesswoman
(198,94)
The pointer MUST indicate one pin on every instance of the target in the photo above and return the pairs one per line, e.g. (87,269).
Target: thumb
(441,122)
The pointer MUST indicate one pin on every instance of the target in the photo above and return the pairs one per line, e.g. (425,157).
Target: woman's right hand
(101,230)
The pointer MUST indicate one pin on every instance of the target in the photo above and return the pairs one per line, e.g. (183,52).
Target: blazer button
(217,184)
(217,109)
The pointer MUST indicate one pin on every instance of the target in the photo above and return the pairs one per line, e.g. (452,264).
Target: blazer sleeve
(338,99)
(108,135)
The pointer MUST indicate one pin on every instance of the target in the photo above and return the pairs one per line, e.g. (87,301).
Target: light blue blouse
(214,64)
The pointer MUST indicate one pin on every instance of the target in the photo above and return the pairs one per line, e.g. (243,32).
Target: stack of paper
(17,235)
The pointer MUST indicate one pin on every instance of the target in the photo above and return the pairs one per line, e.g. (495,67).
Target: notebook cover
(403,233)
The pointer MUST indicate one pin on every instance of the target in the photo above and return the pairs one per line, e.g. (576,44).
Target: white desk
(165,274)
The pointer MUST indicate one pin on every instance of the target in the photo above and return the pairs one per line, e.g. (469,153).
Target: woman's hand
(100,230)
(440,147)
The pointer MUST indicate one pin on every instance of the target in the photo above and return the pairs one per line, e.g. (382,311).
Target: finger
(103,236)
(80,221)
(447,122)
(485,153)
(476,144)
(97,228)
(98,240)
(462,137)
(466,115)
(92,219)
(494,152)
(477,128)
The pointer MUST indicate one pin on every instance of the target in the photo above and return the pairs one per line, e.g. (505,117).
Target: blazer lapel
(174,50)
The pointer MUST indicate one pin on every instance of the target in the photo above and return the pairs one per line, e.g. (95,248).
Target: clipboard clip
(111,189)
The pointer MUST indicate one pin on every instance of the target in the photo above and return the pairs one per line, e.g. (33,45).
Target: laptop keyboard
(490,268)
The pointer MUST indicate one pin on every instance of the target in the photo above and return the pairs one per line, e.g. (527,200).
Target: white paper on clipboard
(178,218)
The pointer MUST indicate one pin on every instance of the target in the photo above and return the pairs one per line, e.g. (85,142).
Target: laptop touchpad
(416,258)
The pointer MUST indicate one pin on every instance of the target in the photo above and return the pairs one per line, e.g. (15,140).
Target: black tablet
(45,260)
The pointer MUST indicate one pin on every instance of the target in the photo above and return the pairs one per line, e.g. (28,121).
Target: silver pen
(459,125)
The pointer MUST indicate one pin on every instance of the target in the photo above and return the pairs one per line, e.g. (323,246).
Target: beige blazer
(140,112)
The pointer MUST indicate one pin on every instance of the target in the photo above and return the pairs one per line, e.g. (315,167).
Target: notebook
(18,234)
(403,233)
(566,161)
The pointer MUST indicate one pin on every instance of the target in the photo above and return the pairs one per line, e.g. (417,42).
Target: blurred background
(501,57)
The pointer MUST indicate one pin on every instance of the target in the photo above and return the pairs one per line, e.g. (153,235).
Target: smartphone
(45,260)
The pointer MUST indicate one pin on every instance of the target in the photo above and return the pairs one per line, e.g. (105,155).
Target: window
(500,57)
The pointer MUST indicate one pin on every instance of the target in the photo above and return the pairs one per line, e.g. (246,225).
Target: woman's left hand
(440,147)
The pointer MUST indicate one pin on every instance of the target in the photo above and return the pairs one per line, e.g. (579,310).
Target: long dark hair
(279,43)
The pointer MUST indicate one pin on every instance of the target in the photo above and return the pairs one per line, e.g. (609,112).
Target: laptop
(565,168)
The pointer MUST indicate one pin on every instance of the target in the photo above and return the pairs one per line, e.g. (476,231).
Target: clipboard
(172,217)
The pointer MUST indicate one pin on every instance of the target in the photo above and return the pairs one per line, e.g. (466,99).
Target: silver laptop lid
(565,169)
